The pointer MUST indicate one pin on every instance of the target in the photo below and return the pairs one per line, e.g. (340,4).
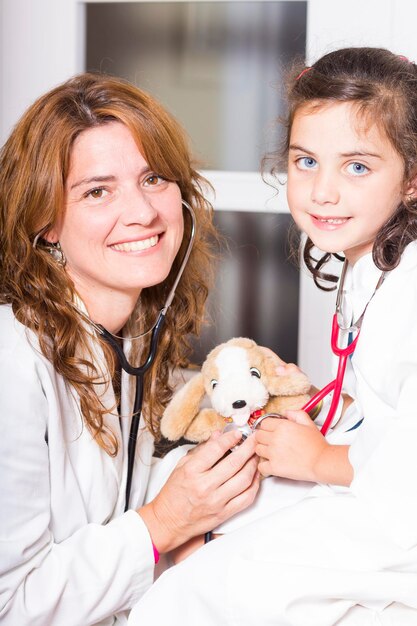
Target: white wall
(41,45)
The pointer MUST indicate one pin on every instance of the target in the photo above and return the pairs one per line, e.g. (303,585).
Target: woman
(92,184)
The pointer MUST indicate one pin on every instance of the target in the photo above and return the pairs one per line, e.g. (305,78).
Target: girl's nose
(138,209)
(325,189)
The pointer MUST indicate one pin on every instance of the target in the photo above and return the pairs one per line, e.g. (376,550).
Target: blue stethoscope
(140,371)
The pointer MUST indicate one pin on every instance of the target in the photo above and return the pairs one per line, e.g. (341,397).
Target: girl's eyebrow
(296,146)
(353,153)
(361,153)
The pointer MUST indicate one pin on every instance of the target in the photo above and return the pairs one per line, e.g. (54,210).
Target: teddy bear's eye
(255,372)
(213,383)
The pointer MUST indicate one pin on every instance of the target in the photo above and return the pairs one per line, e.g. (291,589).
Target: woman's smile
(136,245)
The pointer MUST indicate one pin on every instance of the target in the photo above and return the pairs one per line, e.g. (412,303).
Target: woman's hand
(203,491)
(294,448)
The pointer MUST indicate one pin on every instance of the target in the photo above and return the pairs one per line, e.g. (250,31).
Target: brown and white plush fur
(239,377)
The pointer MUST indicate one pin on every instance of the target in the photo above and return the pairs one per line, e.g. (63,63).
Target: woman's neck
(111,309)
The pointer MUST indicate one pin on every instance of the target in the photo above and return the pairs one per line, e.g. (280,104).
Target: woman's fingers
(242,500)
(233,463)
(203,490)
(206,455)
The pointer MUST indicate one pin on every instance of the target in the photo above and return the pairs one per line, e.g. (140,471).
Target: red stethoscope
(342,353)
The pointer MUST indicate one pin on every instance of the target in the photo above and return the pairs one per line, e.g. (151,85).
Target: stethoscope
(140,371)
(343,355)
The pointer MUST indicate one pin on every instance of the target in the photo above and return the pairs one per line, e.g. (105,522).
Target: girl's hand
(294,448)
(203,491)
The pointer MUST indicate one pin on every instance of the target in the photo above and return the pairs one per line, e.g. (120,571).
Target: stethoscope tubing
(336,385)
(343,354)
(140,371)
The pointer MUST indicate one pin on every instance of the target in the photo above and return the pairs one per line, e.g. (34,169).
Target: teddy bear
(240,380)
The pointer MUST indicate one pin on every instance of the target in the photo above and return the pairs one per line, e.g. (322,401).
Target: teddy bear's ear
(182,409)
(292,384)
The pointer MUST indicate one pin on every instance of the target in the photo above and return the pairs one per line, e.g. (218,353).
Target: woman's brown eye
(96,193)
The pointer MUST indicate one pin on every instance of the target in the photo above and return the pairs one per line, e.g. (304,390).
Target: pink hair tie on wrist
(155,553)
(305,70)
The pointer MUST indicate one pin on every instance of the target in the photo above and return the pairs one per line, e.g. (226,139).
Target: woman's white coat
(69,555)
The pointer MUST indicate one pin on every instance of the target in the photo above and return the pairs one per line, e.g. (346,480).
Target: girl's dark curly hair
(383,86)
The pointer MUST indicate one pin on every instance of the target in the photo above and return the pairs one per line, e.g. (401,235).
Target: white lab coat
(345,556)
(69,556)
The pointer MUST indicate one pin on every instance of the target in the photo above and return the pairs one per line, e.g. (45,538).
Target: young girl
(346,552)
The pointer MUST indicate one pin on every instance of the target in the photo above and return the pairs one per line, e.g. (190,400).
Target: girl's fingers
(265,468)
(270,424)
(299,417)
(262,451)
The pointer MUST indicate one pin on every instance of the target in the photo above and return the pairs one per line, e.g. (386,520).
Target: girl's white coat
(345,556)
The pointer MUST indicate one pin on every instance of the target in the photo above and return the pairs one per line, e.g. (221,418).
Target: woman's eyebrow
(93,179)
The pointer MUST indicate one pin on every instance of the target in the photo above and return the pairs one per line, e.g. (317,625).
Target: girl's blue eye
(357,169)
(306,163)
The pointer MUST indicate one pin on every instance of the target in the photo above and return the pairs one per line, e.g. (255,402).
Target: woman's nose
(325,189)
(138,209)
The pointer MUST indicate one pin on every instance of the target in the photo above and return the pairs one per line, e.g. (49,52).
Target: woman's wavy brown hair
(383,86)
(34,165)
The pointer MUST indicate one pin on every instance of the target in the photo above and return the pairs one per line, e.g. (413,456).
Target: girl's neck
(353,255)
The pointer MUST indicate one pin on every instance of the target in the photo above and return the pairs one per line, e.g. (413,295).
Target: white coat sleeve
(97,571)
(384,454)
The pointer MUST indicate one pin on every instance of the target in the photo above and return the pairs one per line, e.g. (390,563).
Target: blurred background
(219,67)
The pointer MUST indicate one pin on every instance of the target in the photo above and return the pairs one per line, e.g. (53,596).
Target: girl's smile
(345,179)
(329,223)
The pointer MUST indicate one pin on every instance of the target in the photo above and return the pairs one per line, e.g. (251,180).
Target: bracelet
(155,553)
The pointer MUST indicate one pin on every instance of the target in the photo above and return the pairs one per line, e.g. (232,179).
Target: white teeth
(134,246)
(333,220)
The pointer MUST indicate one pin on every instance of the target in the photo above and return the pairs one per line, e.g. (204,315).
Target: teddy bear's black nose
(239,404)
